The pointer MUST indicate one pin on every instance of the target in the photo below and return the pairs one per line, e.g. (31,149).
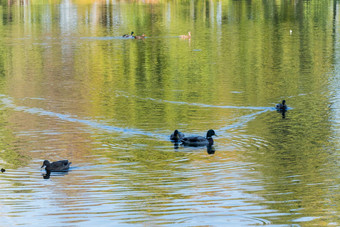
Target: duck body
(281,106)
(140,36)
(177,136)
(127,36)
(196,141)
(58,166)
(185,36)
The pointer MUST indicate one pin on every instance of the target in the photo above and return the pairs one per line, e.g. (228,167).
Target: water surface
(72,88)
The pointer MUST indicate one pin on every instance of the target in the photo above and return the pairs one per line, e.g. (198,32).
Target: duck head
(210,133)
(176,134)
(283,102)
(47,164)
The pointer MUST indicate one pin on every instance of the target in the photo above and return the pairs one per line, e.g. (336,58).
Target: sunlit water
(72,88)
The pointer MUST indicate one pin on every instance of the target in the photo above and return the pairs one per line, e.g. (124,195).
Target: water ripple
(65,117)
(241,121)
(125,94)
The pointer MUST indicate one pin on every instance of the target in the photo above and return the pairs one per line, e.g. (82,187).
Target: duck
(128,36)
(196,141)
(185,36)
(177,136)
(281,106)
(58,166)
(3,170)
(140,36)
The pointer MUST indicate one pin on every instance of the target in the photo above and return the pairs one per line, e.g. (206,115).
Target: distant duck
(281,106)
(58,166)
(185,36)
(3,170)
(128,36)
(140,36)
(196,141)
(177,136)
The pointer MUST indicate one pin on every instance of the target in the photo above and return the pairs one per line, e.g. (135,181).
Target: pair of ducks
(178,136)
(195,141)
(127,36)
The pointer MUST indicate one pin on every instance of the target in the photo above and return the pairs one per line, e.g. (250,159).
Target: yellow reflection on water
(72,88)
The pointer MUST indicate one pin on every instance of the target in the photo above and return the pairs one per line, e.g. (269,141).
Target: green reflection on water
(70,59)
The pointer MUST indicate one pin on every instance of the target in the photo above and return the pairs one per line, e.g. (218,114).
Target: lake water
(72,88)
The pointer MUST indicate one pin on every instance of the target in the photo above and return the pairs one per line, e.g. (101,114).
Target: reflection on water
(282,112)
(47,175)
(72,88)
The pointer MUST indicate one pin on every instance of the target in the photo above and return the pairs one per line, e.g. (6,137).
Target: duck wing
(194,141)
(181,135)
(62,165)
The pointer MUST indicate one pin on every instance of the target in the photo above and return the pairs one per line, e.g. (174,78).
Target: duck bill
(42,166)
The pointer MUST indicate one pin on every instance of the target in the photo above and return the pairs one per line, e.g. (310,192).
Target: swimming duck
(128,36)
(3,170)
(199,140)
(177,136)
(185,36)
(58,166)
(281,106)
(140,36)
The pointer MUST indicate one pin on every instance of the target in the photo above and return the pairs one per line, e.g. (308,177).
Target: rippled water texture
(72,88)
